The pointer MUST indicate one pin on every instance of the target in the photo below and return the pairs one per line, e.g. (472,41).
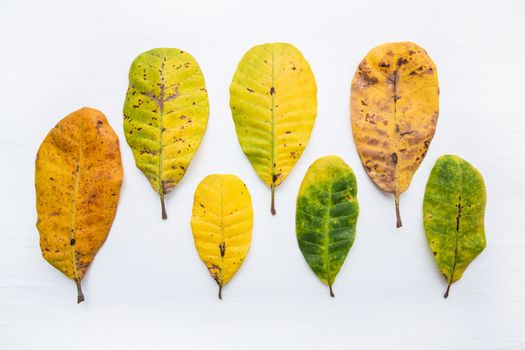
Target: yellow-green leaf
(222,221)
(394,107)
(165,115)
(273,98)
(326,216)
(454,213)
(78,174)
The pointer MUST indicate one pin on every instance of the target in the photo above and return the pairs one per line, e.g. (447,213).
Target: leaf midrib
(273,119)
(74,206)
(326,228)
(458,221)
(160,101)
(396,132)
(222,231)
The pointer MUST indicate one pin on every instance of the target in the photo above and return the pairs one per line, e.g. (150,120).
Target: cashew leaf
(454,212)
(394,106)
(326,216)
(78,174)
(273,99)
(222,221)
(165,115)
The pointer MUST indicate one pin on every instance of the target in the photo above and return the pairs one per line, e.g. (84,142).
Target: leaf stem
(164,215)
(220,292)
(331,291)
(272,209)
(448,289)
(80,297)
(398,215)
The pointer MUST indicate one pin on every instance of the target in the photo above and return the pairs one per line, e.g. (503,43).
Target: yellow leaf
(78,174)
(273,98)
(165,115)
(221,221)
(394,107)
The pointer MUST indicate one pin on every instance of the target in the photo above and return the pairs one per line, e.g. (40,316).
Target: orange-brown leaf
(394,107)
(78,177)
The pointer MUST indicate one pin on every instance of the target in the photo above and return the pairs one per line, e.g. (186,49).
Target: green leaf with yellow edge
(78,174)
(454,212)
(222,221)
(165,115)
(394,107)
(326,216)
(273,98)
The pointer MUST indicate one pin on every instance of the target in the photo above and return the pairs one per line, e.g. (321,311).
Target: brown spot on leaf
(369,80)
(370,118)
(99,124)
(215,272)
(393,158)
(401,61)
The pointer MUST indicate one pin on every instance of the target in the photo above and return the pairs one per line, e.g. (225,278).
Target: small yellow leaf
(222,220)
(273,98)
(78,174)
(394,108)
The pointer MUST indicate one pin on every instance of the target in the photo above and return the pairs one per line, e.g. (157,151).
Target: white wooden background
(147,289)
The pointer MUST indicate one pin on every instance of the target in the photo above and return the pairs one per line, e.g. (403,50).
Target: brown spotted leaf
(394,108)
(165,115)
(78,174)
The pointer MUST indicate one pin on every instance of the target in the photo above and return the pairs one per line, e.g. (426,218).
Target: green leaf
(326,216)
(165,115)
(273,98)
(454,211)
